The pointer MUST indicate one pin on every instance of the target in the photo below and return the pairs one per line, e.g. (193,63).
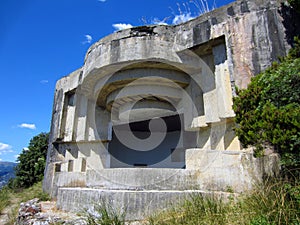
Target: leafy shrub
(268,111)
(30,169)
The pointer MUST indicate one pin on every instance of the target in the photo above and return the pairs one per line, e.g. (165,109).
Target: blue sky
(43,40)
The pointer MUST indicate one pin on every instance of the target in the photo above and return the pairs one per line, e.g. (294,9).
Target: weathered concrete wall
(136,204)
(188,70)
(141,192)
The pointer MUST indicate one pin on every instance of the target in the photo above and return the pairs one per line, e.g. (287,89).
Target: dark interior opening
(158,157)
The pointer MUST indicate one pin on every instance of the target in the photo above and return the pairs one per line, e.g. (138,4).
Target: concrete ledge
(142,179)
(138,204)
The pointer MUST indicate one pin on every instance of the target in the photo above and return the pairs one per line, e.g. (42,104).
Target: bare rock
(34,212)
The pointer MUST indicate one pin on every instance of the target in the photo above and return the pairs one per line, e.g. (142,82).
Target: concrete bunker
(148,118)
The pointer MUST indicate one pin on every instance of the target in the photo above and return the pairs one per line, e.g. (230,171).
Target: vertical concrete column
(231,141)
(57,115)
(188,104)
(95,162)
(98,156)
(70,117)
(91,129)
(78,162)
(217,133)
(211,106)
(223,86)
(103,124)
(81,117)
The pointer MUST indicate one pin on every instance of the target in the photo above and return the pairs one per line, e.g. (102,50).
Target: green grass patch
(104,214)
(271,203)
(32,192)
(13,197)
(4,198)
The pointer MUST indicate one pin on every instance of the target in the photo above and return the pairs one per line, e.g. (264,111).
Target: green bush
(31,162)
(268,111)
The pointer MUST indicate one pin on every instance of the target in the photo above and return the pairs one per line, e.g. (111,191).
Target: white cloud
(44,81)
(4,147)
(16,156)
(27,125)
(182,18)
(88,39)
(159,22)
(121,26)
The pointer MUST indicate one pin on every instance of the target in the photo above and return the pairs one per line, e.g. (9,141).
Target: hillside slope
(6,172)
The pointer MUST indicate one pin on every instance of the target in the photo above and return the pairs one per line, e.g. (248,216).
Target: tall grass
(275,203)
(190,10)
(183,12)
(198,210)
(202,6)
(104,214)
(4,198)
(270,203)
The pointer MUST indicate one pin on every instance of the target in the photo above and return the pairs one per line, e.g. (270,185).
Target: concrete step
(137,204)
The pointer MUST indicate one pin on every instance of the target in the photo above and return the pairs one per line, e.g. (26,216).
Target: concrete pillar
(57,115)
(91,130)
(223,86)
(81,115)
(217,134)
(70,117)
(103,126)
